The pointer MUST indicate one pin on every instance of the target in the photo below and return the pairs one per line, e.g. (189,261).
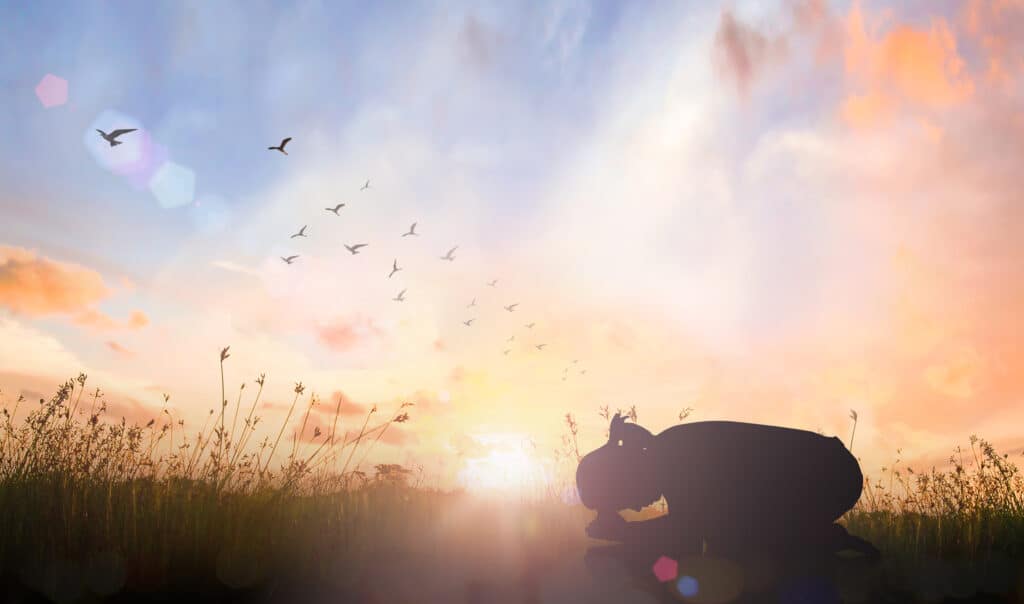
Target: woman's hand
(609,526)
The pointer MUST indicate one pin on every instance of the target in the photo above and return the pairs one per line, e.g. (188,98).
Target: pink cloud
(344,335)
(119,349)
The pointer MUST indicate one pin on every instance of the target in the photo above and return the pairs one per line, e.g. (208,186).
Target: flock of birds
(112,139)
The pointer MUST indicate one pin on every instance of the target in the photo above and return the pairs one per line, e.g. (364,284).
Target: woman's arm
(653,532)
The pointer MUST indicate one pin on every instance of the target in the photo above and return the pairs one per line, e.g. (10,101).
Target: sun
(505,471)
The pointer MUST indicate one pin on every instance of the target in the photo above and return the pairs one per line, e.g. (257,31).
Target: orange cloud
(996,25)
(33,285)
(138,320)
(119,349)
(958,376)
(916,69)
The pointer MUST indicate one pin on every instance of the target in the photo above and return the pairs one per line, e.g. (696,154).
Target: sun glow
(505,472)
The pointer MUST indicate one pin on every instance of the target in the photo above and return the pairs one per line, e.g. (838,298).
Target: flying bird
(583,371)
(574,361)
(355,248)
(530,325)
(449,256)
(471,304)
(301,233)
(400,296)
(493,283)
(335,208)
(541,346)
(394,268)
(289,259)
(506,351)
(510,339)
(366,185)
(112,137)
(469,322)
(281,146)
(511,307)
(412,231)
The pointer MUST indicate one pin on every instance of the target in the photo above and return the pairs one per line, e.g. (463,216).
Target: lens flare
(173,185)
(52,91)
(687,586)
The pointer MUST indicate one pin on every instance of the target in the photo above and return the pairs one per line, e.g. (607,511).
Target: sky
(765,211)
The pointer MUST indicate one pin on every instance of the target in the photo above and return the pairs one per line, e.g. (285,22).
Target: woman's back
(727,476)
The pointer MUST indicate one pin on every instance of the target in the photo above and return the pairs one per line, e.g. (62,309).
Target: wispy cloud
(33,285)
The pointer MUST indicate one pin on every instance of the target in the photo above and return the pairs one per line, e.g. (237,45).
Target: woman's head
(621,474)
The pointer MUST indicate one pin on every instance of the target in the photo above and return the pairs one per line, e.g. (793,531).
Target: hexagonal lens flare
(173,185)
(52,91)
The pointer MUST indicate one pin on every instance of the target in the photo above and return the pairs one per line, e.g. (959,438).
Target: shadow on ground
(706,578)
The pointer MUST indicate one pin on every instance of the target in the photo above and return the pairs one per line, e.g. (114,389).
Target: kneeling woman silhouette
(739,487)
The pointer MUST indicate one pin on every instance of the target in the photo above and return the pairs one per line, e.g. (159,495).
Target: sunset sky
(766,211)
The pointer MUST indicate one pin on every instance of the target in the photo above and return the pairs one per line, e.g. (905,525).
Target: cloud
(958,376)
(235,267)
(119,349)
(398,436)
(33,285)
(742,51)
(995,26)
(342,335)
(478,43)
(317,429)
(469,447)
(904,68)
(348,406)
(137,320)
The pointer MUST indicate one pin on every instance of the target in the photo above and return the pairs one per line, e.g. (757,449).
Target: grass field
(95,510)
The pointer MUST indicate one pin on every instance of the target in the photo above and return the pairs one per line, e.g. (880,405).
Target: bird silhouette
(355,248)
(449,256)
(541,346)
(472,303)
(469,322)
(289,259)
(412,231)
(301,233)
(366,185)
(583,371)
(511,307)
(574,361)
(506,351)
(394,268)
(493,283)
(510,339)
(335,208)
(399,297)
(530,325)
(112,137)
(281,146)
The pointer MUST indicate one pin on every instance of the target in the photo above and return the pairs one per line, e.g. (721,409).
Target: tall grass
(971,511)
(153,506)
(159,505)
